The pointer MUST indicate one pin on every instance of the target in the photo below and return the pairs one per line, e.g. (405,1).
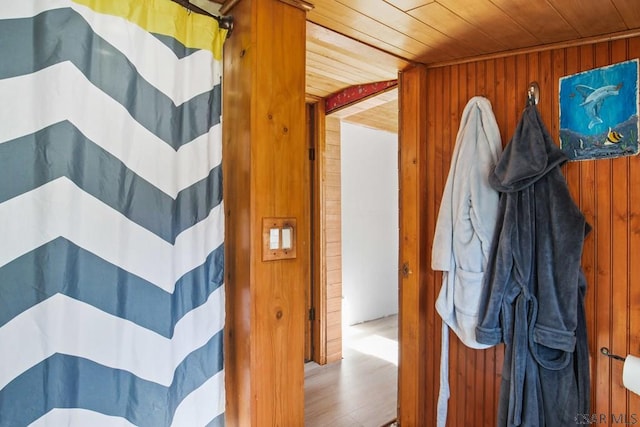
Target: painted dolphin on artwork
(593,99)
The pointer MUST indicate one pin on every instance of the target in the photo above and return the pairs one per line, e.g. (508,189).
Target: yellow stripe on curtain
(167,18)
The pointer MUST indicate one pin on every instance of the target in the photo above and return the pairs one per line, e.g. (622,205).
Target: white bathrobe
(464,231)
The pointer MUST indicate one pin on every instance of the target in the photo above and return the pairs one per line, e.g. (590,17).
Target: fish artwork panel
(599,112)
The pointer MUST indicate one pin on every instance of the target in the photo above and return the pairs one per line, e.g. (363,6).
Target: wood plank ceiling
(353,42)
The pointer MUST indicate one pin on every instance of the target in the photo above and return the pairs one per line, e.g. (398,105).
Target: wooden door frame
(327,292)
(264,348)
(316,290)
(413,267)
(320,323)
(266,177)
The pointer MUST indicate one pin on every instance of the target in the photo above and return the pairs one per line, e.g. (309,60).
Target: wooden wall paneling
(604,191)
(533,73)
(413,354)
(580,59)
(481,79)
(541,70)
(443,107)
(589,265)
(512,103)
(563,60)
(426,277)
(319,288)
(633,51)
(267,175)
(332,235)
(499,99)
(327,241)
(619,279)
(603,286)
(521,82)
(434,279)
(280,182)
(619,257)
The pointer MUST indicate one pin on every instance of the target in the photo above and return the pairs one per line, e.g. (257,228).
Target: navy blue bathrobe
(533,290)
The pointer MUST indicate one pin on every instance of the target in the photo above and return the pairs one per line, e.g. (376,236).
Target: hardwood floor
(361,389)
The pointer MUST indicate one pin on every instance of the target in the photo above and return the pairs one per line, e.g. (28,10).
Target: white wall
(369,223)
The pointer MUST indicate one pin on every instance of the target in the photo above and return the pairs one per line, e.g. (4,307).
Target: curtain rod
(225,22)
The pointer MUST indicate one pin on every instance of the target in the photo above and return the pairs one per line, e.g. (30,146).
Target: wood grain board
(605,190)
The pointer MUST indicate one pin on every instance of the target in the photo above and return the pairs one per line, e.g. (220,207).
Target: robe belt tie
(526,310)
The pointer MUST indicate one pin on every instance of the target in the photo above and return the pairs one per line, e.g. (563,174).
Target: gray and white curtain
(111,217)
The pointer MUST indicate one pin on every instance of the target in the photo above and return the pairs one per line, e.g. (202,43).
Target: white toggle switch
(274,238)
(286,238)
(278,238)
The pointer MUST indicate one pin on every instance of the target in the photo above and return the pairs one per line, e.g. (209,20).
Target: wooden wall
(333,238)
(266,175)
(327,238)
(415,329)
(607,191)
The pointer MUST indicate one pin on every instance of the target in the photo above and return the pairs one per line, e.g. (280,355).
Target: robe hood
(529,156)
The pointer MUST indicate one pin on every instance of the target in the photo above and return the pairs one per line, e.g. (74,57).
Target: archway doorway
(356,270)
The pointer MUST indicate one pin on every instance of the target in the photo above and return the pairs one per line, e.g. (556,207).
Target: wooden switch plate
(272,249)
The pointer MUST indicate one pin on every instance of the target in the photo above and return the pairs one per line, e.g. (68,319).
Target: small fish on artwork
(613,137)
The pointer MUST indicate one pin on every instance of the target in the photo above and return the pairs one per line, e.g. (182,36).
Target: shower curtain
(111,217)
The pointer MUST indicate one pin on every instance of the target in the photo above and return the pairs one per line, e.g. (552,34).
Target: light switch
(286,238)
(274,238)
(278,238)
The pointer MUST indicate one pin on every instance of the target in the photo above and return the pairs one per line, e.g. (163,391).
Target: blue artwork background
(615,109)
(614,124)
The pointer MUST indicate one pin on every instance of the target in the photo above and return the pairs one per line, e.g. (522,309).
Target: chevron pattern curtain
(111,217)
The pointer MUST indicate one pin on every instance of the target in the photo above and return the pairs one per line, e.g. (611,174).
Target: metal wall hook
(605,351)
(533,94)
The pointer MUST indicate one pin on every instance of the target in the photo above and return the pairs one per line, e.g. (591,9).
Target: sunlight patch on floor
(377,346)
